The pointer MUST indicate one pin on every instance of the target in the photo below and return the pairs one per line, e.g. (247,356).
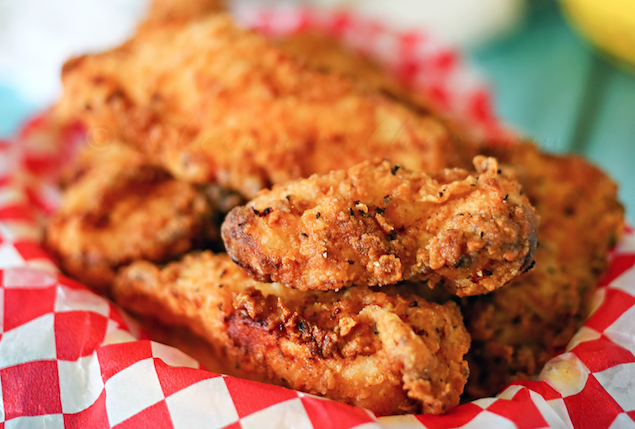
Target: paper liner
(70,358)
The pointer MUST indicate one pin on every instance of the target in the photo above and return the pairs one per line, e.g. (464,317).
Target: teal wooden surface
(553,86)
(611,141)
(538,76)
(13,110)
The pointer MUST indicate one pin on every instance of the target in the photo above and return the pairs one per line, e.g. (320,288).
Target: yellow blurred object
(610,24)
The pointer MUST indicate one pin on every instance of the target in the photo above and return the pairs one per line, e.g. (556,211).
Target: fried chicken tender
(120,208)
(323,52)
(378,224)
(162,11)
(391,353)
(327,54)
(89,157)
(517,329)
(215,103)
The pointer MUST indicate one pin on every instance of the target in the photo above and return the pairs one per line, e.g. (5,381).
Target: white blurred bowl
(459,23)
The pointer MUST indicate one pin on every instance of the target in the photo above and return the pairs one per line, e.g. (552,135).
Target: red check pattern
(69,358)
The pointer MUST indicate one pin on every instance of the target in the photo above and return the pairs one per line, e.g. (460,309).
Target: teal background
(552,85)
(13,110)
(547,82)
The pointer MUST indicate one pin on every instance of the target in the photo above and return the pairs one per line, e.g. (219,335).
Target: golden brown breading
(517,329)
(89,157)
(162,11)
(391,353)
(327,54)
(323,52)
(215,103)
(121,208)
(378,224)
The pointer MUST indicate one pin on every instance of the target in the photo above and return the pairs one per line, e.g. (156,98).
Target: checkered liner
(69,358)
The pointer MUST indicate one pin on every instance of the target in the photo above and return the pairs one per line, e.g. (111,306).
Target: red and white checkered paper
(70,358)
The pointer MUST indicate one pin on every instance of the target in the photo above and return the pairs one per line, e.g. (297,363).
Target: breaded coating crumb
(215,103)
(327,54)
(379,223)
(390,352)
(517,329)
(119,207)
(163,11)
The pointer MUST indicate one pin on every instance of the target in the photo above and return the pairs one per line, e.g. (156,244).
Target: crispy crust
(378,224)
(328,55)
(391,353)
(119,208)
(162,11)
(324,53)
(517,329)
(216,103)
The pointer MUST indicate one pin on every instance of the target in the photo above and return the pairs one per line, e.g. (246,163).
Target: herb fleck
(265,212)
